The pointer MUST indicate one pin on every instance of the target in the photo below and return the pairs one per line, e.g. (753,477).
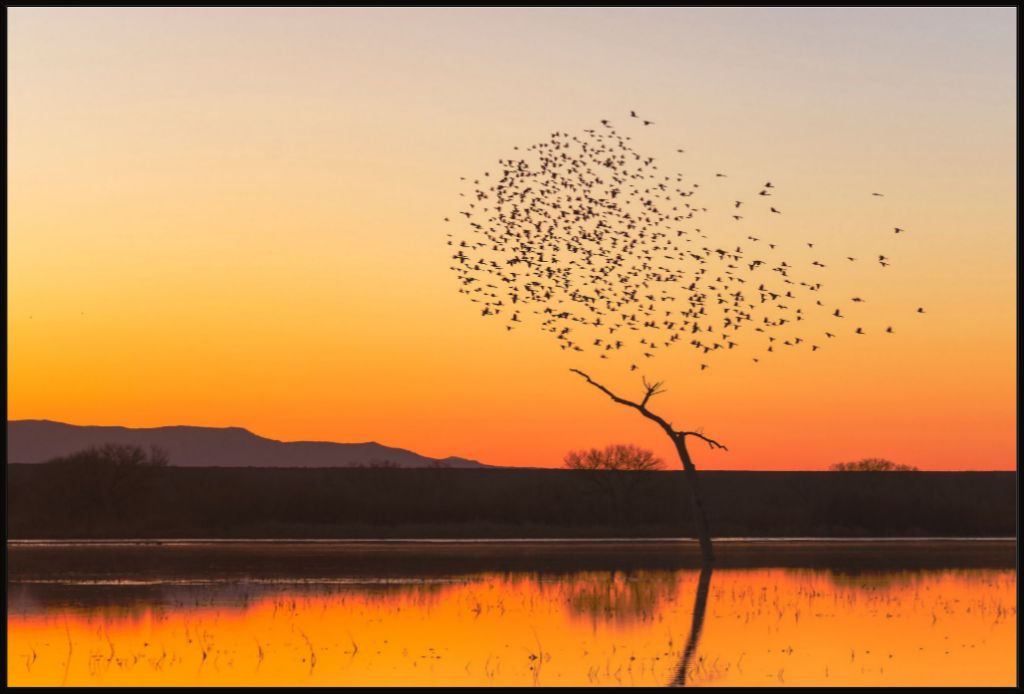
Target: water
(653,627)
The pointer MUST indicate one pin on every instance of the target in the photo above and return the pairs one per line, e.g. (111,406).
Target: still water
(757,626)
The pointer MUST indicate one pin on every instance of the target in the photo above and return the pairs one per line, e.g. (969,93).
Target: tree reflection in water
(622,597)
(700,605)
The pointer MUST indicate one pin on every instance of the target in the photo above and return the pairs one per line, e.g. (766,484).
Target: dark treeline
(54,501)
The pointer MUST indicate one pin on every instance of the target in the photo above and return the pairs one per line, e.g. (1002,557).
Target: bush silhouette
(872,465)
(613,457)
(113,455)
(107,484)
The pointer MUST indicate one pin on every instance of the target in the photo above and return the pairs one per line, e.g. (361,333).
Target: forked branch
(651,389)
(679,439)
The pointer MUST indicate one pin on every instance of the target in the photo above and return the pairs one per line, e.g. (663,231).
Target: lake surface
(159,621)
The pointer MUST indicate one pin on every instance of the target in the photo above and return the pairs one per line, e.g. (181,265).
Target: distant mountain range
(39,440)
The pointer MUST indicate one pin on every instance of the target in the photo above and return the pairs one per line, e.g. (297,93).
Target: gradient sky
(233,217)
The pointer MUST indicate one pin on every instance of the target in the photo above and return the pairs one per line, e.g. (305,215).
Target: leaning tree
(594,243)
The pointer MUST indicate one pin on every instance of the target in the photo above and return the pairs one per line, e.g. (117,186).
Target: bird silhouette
(589,238)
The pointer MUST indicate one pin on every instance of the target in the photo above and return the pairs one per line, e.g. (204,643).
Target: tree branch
(711,442)
(652,390)
(641,407)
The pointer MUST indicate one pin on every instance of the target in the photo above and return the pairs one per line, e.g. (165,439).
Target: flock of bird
(608,251)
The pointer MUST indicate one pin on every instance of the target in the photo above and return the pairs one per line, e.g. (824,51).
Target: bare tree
(614,457)
(113,477)
(615,256)
(113,455)
(618,467)
(872,465)
(679,440)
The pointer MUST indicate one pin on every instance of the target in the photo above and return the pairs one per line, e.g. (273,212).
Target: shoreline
(128,541)
(241,559)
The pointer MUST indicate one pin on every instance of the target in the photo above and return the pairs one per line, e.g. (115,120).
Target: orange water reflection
(762,627)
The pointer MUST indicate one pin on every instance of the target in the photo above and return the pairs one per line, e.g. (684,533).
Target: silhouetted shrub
(108,484)
(114,455)
(614,457)
(872,465)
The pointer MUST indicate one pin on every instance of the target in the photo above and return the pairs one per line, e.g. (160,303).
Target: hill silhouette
(36,441)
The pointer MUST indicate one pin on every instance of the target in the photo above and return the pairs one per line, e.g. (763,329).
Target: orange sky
(232,217)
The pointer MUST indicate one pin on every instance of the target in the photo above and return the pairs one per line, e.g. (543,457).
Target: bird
(878,195)
(860,331)
(920,310)
(586,232)
(889,329)
(898,230)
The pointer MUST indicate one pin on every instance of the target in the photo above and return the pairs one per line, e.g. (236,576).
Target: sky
(235,217)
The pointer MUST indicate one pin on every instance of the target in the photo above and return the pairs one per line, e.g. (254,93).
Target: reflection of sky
(762,626)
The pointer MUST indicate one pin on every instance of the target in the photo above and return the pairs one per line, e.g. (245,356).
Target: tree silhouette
(700,604)
(872,465)
(613,457)
(679,441)
(108,480)
(613,255)
(623,461)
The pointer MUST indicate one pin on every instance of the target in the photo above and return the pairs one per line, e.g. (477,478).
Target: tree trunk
(679,439)
(700,519)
